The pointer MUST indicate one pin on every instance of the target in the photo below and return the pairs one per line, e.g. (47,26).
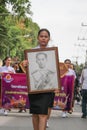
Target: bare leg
(48,116)
(35,120)
(49,113)
(42,122)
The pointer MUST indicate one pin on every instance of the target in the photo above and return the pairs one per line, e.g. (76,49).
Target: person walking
(6,68)
(70,72)
(41,103)
(83,81)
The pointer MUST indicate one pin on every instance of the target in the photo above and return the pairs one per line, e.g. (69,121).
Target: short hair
(44,29)
(41,53)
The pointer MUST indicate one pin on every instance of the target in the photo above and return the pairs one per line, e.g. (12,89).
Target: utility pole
(83,40)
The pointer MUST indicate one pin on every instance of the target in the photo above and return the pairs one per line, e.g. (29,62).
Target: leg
(42,122)
(84,103)
(48,116)
(49,113)
(20,110)
(35,120)
(50,105)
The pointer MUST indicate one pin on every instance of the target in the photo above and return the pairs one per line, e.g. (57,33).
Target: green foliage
(17,31)
(78,68)
(20,36)
(20,7)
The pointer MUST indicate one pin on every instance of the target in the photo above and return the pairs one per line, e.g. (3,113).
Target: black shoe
(25,110)
(83,116)
(70,111)
(20,110)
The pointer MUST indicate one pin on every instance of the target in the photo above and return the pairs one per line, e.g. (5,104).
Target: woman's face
(8,61)
(43,39)
(68,64)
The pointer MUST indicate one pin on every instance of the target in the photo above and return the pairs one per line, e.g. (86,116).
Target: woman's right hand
(1,74)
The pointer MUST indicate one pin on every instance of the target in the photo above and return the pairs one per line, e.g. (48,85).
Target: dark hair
(44,29)
(5,59)
(67,60)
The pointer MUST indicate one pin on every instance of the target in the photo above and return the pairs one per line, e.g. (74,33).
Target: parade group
(77,94)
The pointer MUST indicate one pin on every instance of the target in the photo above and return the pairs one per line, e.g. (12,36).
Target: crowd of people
(41,104)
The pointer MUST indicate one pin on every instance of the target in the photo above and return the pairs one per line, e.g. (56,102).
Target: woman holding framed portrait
(42,98)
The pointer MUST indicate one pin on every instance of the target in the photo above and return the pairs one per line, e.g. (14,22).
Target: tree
(17,31)
(21,35)
(20,7)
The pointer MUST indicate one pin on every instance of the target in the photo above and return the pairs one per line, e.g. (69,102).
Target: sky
(63,18)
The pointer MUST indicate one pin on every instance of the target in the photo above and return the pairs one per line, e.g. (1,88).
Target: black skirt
(39,103)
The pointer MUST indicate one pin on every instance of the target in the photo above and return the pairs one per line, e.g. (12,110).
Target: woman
(6,68)
(70,72)
(41,104)
(83,81)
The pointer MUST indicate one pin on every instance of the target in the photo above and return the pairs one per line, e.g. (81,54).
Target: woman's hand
(56,90)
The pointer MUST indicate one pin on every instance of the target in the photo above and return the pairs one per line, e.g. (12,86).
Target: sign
(14,91)
(63,100)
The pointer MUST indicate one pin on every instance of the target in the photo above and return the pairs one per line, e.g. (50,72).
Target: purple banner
(63,100)
(14,91)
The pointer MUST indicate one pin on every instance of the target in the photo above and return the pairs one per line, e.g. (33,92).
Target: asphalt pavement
(23,121)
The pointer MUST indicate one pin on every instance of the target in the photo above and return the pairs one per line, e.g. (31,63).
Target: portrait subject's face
(41,60)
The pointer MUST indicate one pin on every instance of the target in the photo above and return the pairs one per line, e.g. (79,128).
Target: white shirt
(40,47)
(71,72)
(83,78)
(7,69)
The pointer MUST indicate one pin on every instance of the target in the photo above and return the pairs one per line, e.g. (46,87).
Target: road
(23,121)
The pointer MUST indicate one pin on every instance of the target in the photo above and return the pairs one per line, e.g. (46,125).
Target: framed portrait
(43,73)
